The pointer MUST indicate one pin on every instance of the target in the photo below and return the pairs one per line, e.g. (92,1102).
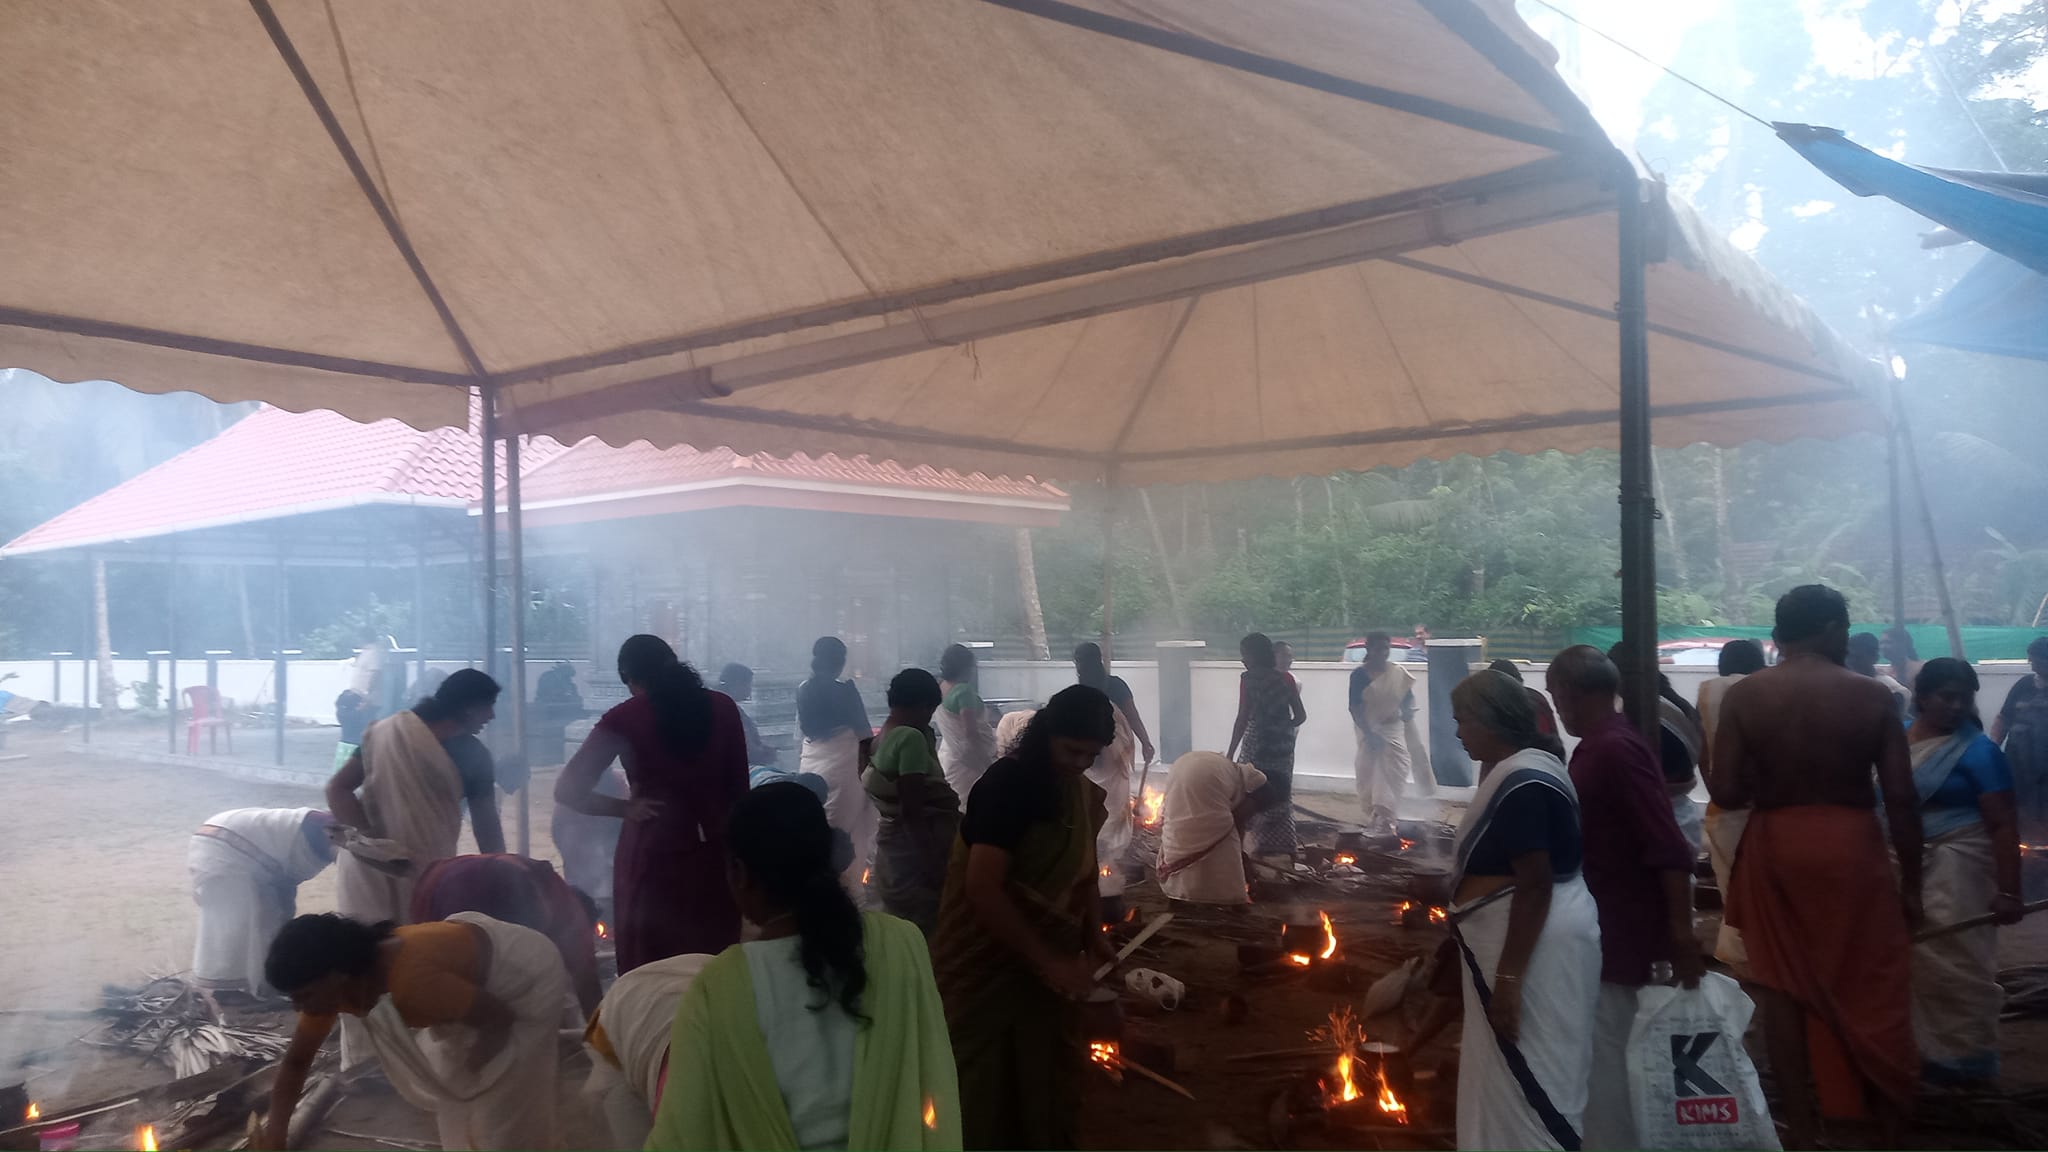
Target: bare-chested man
(1797,744)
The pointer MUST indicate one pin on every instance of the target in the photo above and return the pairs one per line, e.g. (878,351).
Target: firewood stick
(1282,1054)
(1941,930)
(1130,1065)
(1154,925)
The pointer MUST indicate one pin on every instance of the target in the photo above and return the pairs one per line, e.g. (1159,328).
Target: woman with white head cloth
(1201,853)
(1526,931)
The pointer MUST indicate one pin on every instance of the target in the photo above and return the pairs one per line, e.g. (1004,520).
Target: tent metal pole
(1108,571)
(1898,511)
(1638,499)
(278,668)
(419,596)
(487,402)
(1912,462)
(517,608)
(86,653)
(171,643)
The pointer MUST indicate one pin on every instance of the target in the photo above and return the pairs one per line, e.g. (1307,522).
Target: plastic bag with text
(1689,1076)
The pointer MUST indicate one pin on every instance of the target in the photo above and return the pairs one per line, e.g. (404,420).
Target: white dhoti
(967,746)
(1382,766)
(848,807)
(1112,773)
(1201,853)
(1559,989)
(1383,762)
(635,1020)
(1956,994)
(412,792)
(509,1100)
(247,865)
(1722,830)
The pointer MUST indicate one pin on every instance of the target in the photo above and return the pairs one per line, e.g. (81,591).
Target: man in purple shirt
(1638,866)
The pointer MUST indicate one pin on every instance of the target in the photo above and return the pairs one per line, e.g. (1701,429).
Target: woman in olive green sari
(1017,938)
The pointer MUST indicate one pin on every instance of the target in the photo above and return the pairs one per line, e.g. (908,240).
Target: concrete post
(1177,697)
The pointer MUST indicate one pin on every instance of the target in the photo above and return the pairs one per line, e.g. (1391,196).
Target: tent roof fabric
(2004,211)
(1138,239)
(595,469)
(1999,307)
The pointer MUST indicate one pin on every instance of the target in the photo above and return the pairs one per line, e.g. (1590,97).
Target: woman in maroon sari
(685,754)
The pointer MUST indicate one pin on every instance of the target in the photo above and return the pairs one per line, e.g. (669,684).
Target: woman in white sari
(1385,762)
(1112,774)
(465,1016)
(837,742)
(628,1042)
(1525,929)
(967,734)
(1201,852)
(1971,868)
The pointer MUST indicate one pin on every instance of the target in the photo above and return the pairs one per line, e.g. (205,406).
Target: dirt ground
(93,849)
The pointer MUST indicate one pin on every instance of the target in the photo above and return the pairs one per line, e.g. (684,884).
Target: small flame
(1347,1088)
(1301,958)
(1406,844)
(1108,1054)
(1402,910)
(1329,936)
(603,933)
(1391,1104)
(1105,871)
(1154,806)
(1345,1033)
(1343,858)
(145,1138)
(931,1113)
(865,873)
(34,1112)
(1438,916)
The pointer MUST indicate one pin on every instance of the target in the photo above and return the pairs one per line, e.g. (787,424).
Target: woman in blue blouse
(1972,868)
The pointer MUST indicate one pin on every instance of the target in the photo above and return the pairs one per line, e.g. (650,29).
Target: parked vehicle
(1401,648)
(1704,651)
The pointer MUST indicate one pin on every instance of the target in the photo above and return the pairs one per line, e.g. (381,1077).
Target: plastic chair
(203,710)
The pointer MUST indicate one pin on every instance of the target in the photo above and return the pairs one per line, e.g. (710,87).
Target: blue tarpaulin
(2006,212)
(1999,307)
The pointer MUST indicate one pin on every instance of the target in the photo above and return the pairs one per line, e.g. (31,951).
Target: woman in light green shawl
(826,1032)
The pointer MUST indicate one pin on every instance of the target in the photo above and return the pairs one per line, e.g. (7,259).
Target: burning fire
(1343,858)
(1406,844)
(603,933)
(1301,958)
(931,1113)
(1105,871)
(33,1114)
(1153,806)
(1389,1103)
(1329,937)
(145,1138)
(865,873)
(1347,1034)
(1347,1088)
(1438,916)
(1108,1054)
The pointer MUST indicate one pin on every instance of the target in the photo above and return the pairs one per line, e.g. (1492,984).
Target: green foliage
(345,634)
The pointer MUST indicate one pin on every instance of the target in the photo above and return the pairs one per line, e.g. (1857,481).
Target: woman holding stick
(1017,925)
(1971,868)
(1525,930)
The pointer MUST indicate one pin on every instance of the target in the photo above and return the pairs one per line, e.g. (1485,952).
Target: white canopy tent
(1132,240)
